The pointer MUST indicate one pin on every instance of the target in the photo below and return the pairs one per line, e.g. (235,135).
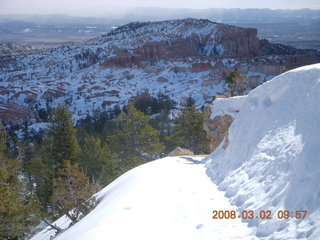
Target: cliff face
(240,42)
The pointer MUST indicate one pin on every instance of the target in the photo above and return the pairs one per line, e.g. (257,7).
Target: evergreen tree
(164,124)
(61,140)
(188,131)
(19,208)
(60,144)
(162,103)
(40,174)
(128,163)
(97,160)
(3,140)
(237,84)
(190,102)
(135,138)
(115,112)
(72,193)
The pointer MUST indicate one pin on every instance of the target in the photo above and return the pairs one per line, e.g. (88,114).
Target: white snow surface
(170,198)
(272,161)
(227,106)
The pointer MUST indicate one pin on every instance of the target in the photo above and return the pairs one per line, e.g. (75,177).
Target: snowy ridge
(161,31)
(272,160)
(227,106)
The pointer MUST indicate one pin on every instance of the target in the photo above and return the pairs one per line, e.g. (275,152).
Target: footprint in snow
(199,226)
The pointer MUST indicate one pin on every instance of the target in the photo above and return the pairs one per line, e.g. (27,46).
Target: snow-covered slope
(272,161)
(170,198)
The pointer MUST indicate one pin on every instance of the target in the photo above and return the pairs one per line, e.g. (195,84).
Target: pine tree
(3,140)
(97,160)
(40,175)
(164,124)
(188,131)
(72,193)
(237,84)
(162,103)
(60,144)
(190,102)
(61,140)
(135,138)
(19,208)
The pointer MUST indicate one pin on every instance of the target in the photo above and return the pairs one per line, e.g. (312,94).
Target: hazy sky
(99,7)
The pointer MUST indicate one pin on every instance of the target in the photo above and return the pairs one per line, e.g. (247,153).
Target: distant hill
(179,58)
(297,28)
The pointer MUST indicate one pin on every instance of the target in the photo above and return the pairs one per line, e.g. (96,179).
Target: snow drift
(272,161)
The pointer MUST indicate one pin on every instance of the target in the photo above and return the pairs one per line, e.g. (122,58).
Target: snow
(227,106)
(38,126)
(272,160)
(229,62)
(170,198)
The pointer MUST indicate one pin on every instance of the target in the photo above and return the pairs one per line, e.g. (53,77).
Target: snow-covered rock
(227,106)
(178,151)
(272,160)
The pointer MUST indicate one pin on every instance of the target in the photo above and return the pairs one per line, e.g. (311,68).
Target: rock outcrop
(12,113)
(178,151)
(217,128)
(239,42)
(218,118)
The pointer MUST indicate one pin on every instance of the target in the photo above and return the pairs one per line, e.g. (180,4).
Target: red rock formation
(239,42)
(151,51)
(12,113)
(53,94)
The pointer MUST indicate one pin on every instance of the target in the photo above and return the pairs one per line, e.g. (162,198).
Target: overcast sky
(100,7)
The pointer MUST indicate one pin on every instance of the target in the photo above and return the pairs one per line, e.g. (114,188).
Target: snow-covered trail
(170,198)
